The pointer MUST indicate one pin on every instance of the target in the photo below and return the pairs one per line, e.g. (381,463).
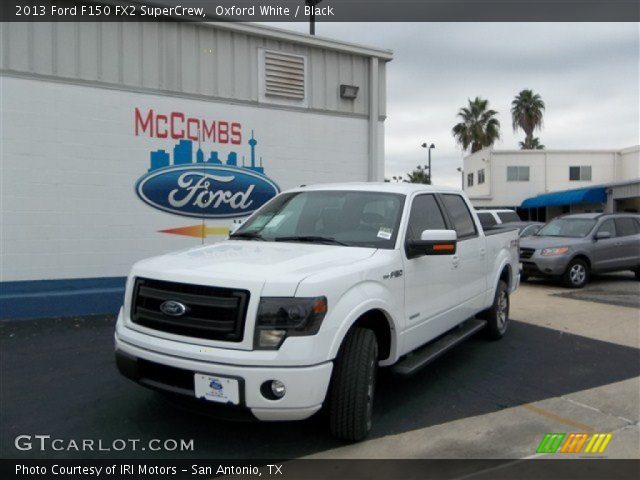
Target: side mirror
(602,235)
(433,242)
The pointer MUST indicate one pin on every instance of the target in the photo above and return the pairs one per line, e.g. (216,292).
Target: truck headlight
(281,317)
(550,252)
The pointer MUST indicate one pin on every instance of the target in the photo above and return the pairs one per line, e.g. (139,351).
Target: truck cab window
(425,215)
(460,215)
(487,219)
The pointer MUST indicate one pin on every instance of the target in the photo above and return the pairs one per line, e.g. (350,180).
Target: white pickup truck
(314,292)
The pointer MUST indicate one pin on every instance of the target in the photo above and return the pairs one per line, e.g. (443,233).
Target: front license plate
(217,389)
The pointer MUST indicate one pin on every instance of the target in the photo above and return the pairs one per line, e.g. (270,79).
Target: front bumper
(537,265)
(306,387)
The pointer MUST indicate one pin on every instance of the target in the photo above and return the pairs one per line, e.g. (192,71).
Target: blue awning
(567,197)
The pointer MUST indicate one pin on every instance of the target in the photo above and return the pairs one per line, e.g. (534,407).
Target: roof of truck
(404,188)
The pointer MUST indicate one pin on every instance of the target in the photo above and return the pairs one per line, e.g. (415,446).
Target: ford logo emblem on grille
(173,308)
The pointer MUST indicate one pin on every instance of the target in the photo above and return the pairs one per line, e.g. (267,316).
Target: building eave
(303,39)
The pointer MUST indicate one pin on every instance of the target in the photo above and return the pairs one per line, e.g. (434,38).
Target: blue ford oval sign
(206,191)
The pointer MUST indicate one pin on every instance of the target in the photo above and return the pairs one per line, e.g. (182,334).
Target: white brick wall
(70,160)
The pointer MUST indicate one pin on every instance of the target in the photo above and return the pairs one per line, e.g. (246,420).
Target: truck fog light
(273,389)
(278,389)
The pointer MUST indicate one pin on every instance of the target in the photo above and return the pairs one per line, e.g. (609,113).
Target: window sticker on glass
(385,233)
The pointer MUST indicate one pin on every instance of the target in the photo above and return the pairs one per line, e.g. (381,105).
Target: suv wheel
(577,274)
(353,386)
(497,316)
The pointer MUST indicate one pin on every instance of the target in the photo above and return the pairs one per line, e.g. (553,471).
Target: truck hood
(539,242)
(238,263)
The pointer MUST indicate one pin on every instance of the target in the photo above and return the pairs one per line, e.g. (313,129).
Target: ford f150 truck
(315,291)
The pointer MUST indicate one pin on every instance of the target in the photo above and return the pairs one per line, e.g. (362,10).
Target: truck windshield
(567,227)
(352,218)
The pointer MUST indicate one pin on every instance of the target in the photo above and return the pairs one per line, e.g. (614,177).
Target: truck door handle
(455,260)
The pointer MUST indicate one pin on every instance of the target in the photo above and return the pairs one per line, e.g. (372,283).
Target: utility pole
(312,15)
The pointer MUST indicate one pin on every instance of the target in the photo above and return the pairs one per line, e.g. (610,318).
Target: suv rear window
(460,215)
(626,226)
(508,217)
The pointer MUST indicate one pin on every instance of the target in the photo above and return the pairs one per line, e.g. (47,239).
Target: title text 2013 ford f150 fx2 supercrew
(319,287)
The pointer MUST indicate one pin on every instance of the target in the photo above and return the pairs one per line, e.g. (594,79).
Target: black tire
(353,386)
(576,274)
(497,316)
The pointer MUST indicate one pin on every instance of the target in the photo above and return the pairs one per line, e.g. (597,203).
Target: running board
(429,352)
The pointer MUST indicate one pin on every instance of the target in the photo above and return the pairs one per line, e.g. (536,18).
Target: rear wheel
(353,386)
(577,274)
(497,316)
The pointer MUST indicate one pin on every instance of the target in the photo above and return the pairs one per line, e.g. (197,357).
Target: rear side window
(626,226)
(425,215)
(486,219)
(460,215)
(508,217)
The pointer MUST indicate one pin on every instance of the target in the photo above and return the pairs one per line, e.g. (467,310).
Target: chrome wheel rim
(503,310)
(577,274)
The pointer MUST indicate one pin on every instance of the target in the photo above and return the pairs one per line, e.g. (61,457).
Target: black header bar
(326,10)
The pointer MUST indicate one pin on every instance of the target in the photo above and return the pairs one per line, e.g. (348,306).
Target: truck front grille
(211,312)
(526,252)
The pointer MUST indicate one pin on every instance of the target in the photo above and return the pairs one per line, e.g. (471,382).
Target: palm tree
(527,110)
(419,175)
(479,128)
(534,145)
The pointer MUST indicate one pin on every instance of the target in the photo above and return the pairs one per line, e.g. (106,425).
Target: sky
(586,73)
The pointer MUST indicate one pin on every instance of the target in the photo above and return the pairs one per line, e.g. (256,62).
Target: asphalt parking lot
(566,365)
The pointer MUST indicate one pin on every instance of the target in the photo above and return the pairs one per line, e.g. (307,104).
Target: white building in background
(541,184)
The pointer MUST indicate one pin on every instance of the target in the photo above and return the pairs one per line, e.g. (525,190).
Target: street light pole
(461,177)
(429,147)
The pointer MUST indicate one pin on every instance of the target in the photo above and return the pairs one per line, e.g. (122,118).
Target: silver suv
(574,246)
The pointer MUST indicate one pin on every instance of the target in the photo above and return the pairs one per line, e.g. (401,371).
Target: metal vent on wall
(284,75)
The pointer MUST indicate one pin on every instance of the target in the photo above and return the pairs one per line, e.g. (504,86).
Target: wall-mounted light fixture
(349,92)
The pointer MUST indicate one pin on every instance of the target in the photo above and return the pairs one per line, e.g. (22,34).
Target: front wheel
(353,386)
(497,316)
(577,274)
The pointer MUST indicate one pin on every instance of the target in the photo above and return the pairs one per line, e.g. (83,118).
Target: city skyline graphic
(183,155)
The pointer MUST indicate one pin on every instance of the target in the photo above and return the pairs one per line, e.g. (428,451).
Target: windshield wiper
(247,236)
(310,239)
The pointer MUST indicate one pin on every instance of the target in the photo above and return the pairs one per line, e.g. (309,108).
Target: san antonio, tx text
(142,469)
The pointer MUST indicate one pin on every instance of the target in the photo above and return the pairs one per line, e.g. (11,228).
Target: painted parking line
(558,418)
